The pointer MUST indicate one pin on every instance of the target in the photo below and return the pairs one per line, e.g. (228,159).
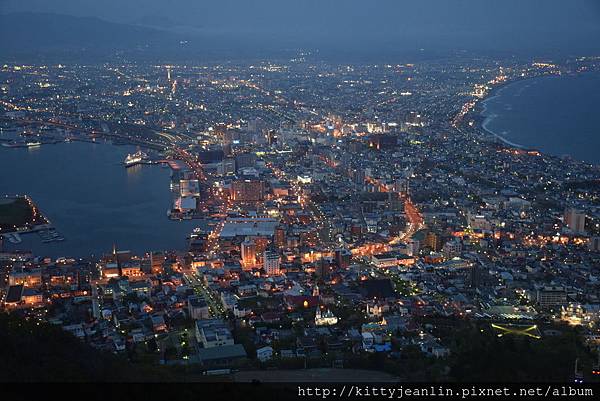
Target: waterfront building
(26,277)
(157,259)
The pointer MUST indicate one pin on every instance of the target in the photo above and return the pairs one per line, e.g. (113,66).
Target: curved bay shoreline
(482,118)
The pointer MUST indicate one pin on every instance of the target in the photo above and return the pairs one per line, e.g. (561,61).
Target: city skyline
(173,210)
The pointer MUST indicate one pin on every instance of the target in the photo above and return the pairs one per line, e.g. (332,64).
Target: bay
(558,115)
(93,200)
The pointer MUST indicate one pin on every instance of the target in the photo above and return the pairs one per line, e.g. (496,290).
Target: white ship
(135,158)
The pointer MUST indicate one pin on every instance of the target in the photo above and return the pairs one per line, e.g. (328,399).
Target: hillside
(44,352)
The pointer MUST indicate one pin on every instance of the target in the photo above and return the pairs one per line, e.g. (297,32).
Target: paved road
(315,375)
(214,304)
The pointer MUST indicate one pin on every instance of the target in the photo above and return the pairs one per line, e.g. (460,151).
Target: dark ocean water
(92,199)
(559,115)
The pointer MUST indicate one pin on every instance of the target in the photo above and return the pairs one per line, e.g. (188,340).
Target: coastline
(482,121)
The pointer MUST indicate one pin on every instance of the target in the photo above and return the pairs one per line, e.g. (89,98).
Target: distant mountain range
(23,33)
(41,37)
(45,37)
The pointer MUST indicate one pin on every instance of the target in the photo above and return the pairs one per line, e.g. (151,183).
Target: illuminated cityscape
(344,216)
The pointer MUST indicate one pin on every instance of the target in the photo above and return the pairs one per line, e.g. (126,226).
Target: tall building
(256,125)
(452,249)
(227,166)
(157,260)
(575,220)
(248,254)
(227,148)
(272,137)
(474,276)
(432,240)
(271,262)
(244,160)
(323,268)
(198,241)
(247,190)
(343,257)
(279,236)
(594,244)
(213,155)
(413,246)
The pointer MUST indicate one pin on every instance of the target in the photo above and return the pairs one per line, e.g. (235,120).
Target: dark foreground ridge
(36,351)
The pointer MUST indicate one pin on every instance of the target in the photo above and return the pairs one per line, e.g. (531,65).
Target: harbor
(97,204)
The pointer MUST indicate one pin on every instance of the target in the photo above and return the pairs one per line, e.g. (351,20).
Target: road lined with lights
(216,309)
(191,162)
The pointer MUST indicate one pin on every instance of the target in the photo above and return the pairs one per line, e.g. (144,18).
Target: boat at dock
(135,158)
